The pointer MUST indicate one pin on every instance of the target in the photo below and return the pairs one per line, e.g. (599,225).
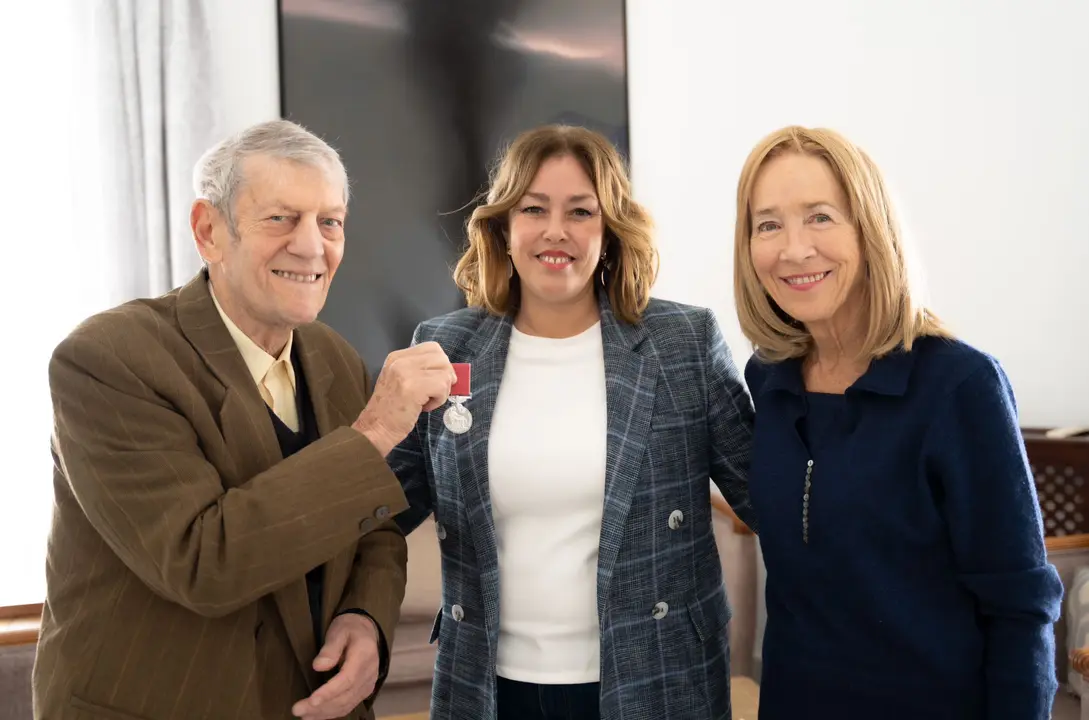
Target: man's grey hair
(218,174)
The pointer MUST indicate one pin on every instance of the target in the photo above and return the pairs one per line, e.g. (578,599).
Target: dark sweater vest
(292,442)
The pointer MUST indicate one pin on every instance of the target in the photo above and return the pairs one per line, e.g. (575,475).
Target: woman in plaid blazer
(580,573)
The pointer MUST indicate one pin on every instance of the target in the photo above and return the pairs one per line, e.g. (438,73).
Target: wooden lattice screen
(1061,469)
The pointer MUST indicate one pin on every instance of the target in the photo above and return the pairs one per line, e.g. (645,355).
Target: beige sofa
(16,662)
(413,656)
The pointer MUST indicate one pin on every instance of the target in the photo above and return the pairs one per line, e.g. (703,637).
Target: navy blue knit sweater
(919,585)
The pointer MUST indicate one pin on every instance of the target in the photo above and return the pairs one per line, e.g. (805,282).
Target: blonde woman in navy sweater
(906,572)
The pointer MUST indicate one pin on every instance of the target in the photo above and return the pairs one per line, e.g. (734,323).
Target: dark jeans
(527,701)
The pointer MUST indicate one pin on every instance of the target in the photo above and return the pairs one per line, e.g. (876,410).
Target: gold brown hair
(895,316)
(630,257)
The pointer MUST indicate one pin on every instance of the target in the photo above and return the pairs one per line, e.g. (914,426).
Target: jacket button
(382,513)
(367,525)
(457,613)
(675,519)
(660,610)
(440,531)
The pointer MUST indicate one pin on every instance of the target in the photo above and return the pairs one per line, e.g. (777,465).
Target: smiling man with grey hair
(222,543)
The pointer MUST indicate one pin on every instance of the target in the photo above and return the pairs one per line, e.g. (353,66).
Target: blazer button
(367,525)
(440,531)
(675,519)
(660,610)
(457,613)
(382,513)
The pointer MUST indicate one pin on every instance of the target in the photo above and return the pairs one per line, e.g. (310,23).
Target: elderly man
(222,544)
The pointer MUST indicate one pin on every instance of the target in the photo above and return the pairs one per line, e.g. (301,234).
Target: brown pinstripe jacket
(181,539)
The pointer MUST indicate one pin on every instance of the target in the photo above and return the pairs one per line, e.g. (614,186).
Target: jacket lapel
(319,381)
(488,355)
(247,432)
(248,435)
(330,414)
(630,384)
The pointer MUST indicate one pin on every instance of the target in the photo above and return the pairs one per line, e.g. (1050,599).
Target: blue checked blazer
(678,414)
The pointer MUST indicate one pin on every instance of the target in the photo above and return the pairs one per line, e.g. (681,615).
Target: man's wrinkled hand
(417,379)
(352,646)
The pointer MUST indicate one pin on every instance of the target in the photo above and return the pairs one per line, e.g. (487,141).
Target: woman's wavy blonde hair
(895,315)
(631,259)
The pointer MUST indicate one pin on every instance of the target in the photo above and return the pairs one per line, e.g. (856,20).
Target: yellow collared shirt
(274,376)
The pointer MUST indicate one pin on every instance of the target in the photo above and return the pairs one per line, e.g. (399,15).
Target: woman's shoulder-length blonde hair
(631,259)
(895,314)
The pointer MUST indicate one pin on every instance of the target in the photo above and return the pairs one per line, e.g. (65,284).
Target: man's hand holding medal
(414,380)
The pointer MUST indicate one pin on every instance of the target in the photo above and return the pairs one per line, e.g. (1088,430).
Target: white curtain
(107,105)
(150,67)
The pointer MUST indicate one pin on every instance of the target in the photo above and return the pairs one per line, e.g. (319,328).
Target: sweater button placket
(805,502)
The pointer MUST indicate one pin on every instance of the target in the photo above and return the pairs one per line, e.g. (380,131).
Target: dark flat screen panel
(419,96)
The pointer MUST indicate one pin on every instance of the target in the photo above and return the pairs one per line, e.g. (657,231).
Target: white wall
(246,60)
(976,110)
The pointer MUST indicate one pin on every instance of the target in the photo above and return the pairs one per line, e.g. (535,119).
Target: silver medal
(457,418)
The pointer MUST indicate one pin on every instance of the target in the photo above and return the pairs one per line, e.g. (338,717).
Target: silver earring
(604,267)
